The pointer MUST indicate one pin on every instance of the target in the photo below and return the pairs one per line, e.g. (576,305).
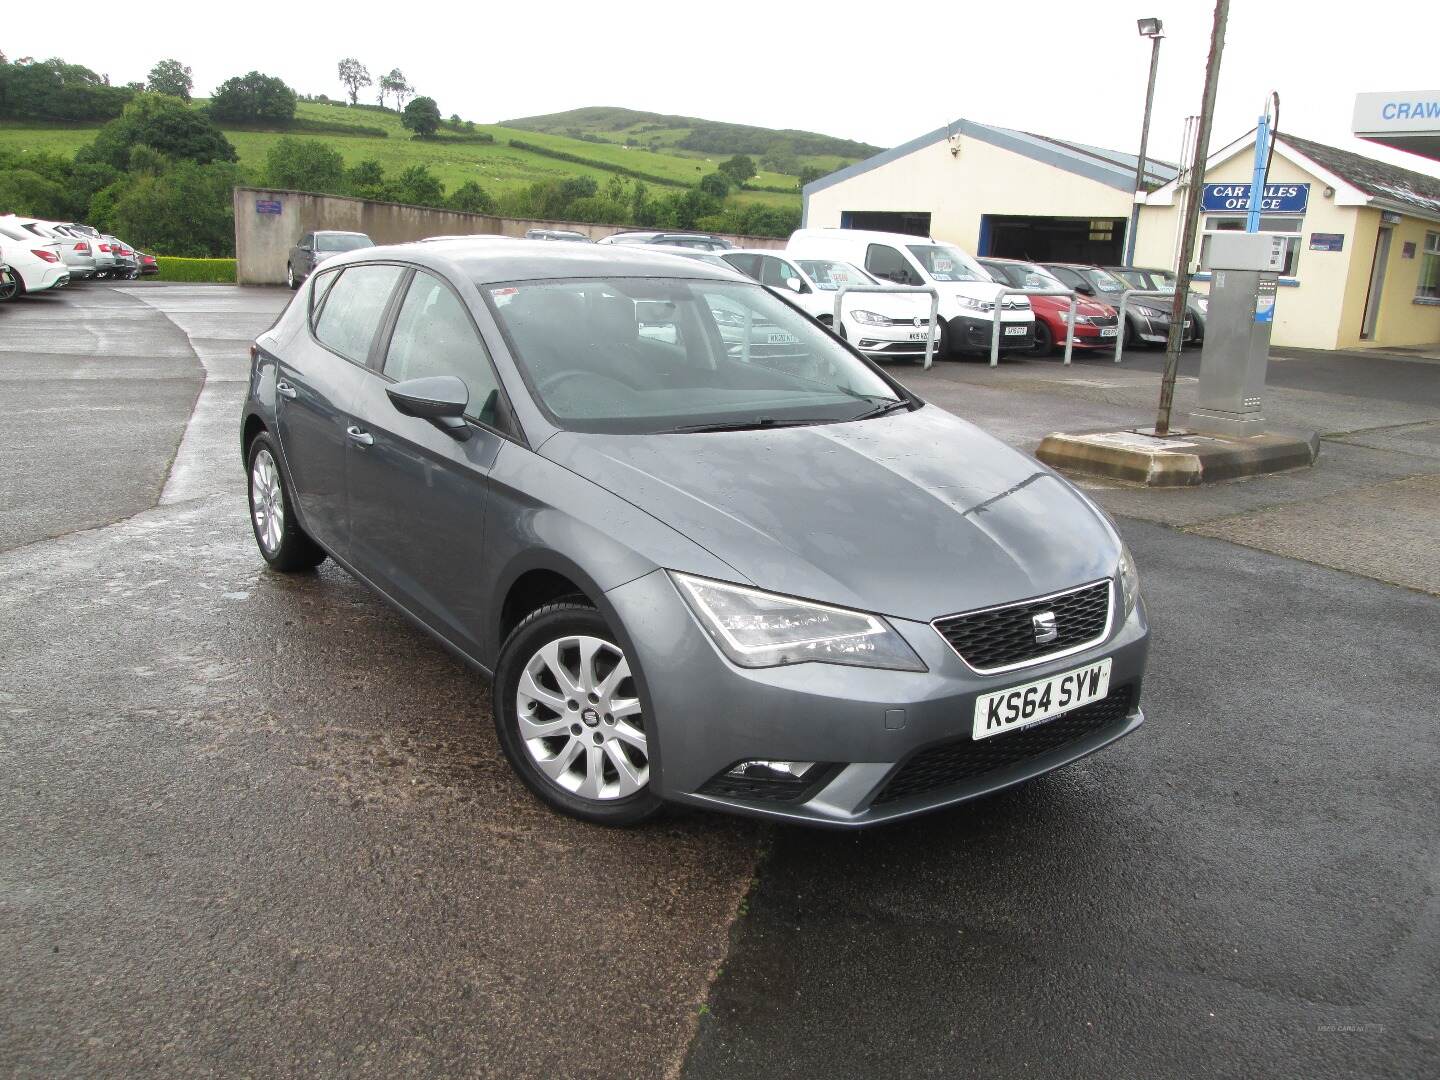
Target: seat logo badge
(1044,627)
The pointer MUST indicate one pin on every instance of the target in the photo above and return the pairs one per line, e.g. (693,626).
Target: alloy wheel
(267,502)
(580,721)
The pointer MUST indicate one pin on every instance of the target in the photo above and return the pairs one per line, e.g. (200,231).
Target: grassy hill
(497,167)
(691,136)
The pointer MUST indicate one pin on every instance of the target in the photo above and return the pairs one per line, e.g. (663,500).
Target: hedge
(561,155)
(173,268)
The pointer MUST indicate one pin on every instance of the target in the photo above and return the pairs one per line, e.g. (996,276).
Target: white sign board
(1401,111)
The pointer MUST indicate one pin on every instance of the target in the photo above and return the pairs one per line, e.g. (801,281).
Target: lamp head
(1151,28)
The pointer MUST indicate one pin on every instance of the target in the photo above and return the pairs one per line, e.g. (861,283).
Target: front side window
(434,336)
(647,355)
(885,262)
(1429,284)
(945,262)
(350,312)
(778,272)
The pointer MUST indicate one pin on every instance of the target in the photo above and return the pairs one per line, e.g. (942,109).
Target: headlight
(1129,580)
(1202,304)
(869,318)
(759,629)
(971,304)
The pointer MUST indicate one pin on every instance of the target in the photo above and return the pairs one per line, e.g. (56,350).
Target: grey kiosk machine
(1244,270)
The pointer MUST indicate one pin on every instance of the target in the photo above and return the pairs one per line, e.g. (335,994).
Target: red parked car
(1096,324)
(148,265)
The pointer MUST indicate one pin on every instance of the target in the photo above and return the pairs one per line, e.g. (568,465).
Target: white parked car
(880,326)
(77,253)
(968,294)
(36,263)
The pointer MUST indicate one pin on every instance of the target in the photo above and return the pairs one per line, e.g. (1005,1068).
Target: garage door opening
(1053,239)
(911,222)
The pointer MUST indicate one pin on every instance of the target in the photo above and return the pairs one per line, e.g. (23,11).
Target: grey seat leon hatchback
(706,552)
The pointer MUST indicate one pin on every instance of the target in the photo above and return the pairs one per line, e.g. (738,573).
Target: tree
(31,195)
(809,174)
(165,124)
(395,85)
(353,76)
(739,168)
(305,165)
(780,157)
(422,116)
(253,99)
(186,210)
(171,77)
(54,90)
(416,186)
(716,183)
(365,180)
(471,198)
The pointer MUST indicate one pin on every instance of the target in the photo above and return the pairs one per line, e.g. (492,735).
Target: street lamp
(1154,29)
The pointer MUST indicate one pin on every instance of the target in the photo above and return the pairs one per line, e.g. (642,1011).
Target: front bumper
(868,723)
(973,334)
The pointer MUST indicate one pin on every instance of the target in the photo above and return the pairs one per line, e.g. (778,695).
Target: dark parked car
(1197,307)
(776,585)
(698,241)
(1147,320)
(314,248)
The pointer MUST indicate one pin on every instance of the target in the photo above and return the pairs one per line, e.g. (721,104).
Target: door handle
(364,438)
(285,390)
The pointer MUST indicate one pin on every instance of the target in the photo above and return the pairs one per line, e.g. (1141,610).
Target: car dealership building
(1362,236)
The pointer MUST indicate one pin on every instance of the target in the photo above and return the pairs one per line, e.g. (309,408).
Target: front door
(316,384)
(1377,283)
(417,494)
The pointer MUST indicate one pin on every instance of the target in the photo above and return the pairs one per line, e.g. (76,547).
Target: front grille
(738,787)
(1102,320)
(964,759)
(917,323)
(999,637)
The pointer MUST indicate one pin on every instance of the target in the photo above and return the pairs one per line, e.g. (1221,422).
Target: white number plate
(917,337)
(1022,706)
(1016,331)
(1109,331)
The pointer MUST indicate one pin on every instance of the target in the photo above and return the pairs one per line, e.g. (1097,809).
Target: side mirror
(794,284)
(1085,290)
(441,399)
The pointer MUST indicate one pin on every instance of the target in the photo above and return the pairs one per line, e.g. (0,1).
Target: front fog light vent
(764,780)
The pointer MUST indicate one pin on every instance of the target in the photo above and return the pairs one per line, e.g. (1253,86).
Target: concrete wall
(263,241)
(957,189)
(1325,306)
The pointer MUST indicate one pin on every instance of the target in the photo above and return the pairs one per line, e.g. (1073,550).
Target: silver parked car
(313,248)
(779,585)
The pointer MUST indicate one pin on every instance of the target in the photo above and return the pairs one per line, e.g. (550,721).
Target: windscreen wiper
(739,425)
(883,409)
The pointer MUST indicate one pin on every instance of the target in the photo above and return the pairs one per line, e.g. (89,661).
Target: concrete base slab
(1180,459)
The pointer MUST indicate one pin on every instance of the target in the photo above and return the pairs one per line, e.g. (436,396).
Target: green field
(497,167)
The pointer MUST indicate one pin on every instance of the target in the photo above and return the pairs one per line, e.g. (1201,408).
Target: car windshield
(1030,276)
(832,276)
(945,263)
(1132,278)
(1104,280)
(647,355)
(341,241)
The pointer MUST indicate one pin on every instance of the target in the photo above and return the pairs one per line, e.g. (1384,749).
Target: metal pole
(1069,329)
(1144,145)
(1257,179)
(1192,221)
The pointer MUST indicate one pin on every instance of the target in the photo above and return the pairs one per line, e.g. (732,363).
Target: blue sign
(1277,199)
(1327,241)
(268,206)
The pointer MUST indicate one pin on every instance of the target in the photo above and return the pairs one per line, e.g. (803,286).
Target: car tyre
(1044,340)
(283,544)
(569,718)
(290,277)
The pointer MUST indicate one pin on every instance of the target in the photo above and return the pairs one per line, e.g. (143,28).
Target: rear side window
(433,336)
(353,307)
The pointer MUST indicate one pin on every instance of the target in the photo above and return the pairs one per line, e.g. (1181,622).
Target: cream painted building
(1364,236)
(1363,256)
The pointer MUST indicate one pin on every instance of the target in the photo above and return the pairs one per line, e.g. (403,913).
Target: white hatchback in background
(968,294)
(36,263)
(77,253)
(106,261)
(881,326)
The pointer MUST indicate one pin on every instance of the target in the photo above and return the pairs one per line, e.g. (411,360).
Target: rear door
(417,494)
(316,384)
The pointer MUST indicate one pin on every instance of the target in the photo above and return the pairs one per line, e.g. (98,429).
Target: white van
(883,326)
(967,293)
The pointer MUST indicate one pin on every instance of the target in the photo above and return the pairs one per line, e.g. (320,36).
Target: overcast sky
(879,72)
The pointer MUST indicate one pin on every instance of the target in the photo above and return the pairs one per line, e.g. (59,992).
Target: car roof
(340,232)
(517,259)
